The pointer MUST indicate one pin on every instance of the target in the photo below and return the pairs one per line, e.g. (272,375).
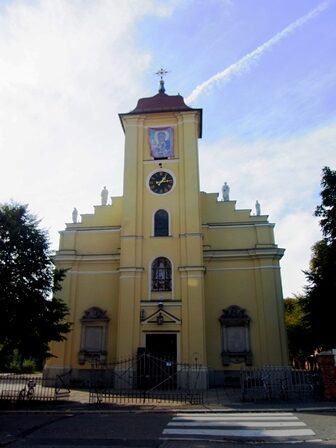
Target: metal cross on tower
(162,72)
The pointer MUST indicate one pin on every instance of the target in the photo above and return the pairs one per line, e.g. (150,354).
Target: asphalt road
(137,429)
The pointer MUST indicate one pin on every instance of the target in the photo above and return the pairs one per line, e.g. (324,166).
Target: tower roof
(161,102)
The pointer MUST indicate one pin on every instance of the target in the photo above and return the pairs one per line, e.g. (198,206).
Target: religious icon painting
(161,142)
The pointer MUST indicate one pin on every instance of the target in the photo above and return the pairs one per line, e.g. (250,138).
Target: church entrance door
(158,366)
(162,345)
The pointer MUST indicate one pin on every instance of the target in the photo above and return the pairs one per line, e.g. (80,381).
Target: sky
(263,71)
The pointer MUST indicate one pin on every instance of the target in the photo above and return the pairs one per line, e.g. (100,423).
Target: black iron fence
(147,378)
(20,388)
(277,382)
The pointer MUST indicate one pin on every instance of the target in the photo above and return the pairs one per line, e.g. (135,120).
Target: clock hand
(162,180)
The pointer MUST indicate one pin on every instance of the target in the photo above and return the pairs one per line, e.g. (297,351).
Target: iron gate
(279,382)
(146,378)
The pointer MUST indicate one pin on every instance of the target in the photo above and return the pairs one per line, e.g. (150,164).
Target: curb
(158,409)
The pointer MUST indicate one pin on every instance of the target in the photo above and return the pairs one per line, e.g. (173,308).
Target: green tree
(30,314)
(298,332)
(320,295)
(327,210)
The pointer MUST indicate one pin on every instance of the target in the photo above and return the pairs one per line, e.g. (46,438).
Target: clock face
(161,182)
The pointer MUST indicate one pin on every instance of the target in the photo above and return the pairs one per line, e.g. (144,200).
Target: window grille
(161,274)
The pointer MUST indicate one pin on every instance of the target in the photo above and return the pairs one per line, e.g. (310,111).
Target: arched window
(161,274)
(161,223)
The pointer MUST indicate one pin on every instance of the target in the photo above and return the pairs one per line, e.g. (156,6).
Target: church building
(166,268)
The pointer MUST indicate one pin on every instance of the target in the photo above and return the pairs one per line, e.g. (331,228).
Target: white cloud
(67,69)
(246,62)
(284,175)
(297,231)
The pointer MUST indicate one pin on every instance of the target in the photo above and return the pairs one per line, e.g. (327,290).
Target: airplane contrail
(248,60)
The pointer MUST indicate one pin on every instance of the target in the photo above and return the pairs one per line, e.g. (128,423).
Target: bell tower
(161,289)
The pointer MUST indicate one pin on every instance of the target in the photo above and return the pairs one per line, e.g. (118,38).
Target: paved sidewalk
(215,400)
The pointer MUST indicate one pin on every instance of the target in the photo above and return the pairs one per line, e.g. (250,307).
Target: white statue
(74,215)
(226,192)
(104,196)
(257,207)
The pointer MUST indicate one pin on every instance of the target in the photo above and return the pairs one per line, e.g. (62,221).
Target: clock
(161,182)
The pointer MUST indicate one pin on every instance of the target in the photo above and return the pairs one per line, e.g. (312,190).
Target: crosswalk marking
(266,425)
(234,414)
(254,424)
(233,418)
(242,432)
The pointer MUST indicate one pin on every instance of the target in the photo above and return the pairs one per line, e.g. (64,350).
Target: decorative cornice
(216,226)
(131,269)
(130,237)
(72,256)
(246,268)
(191,268)
(83,272)
(166,161)
(167,303)
(272,252)
(73,228)
(185,235)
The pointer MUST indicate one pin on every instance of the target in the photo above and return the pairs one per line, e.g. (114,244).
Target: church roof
(161,102)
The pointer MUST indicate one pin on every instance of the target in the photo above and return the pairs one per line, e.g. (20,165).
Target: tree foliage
(298,330)
(327,210)
(319,301)
(30,314)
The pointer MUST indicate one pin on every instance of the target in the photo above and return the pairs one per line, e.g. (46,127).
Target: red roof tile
(162,103)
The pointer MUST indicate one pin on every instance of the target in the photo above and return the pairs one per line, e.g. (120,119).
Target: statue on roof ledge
(74,215)
(225,192)
(104,196)
(258,208)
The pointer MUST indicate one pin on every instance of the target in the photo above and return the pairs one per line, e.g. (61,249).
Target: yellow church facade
(167,268)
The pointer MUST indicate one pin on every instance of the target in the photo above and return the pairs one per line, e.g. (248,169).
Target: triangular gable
(161,316)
